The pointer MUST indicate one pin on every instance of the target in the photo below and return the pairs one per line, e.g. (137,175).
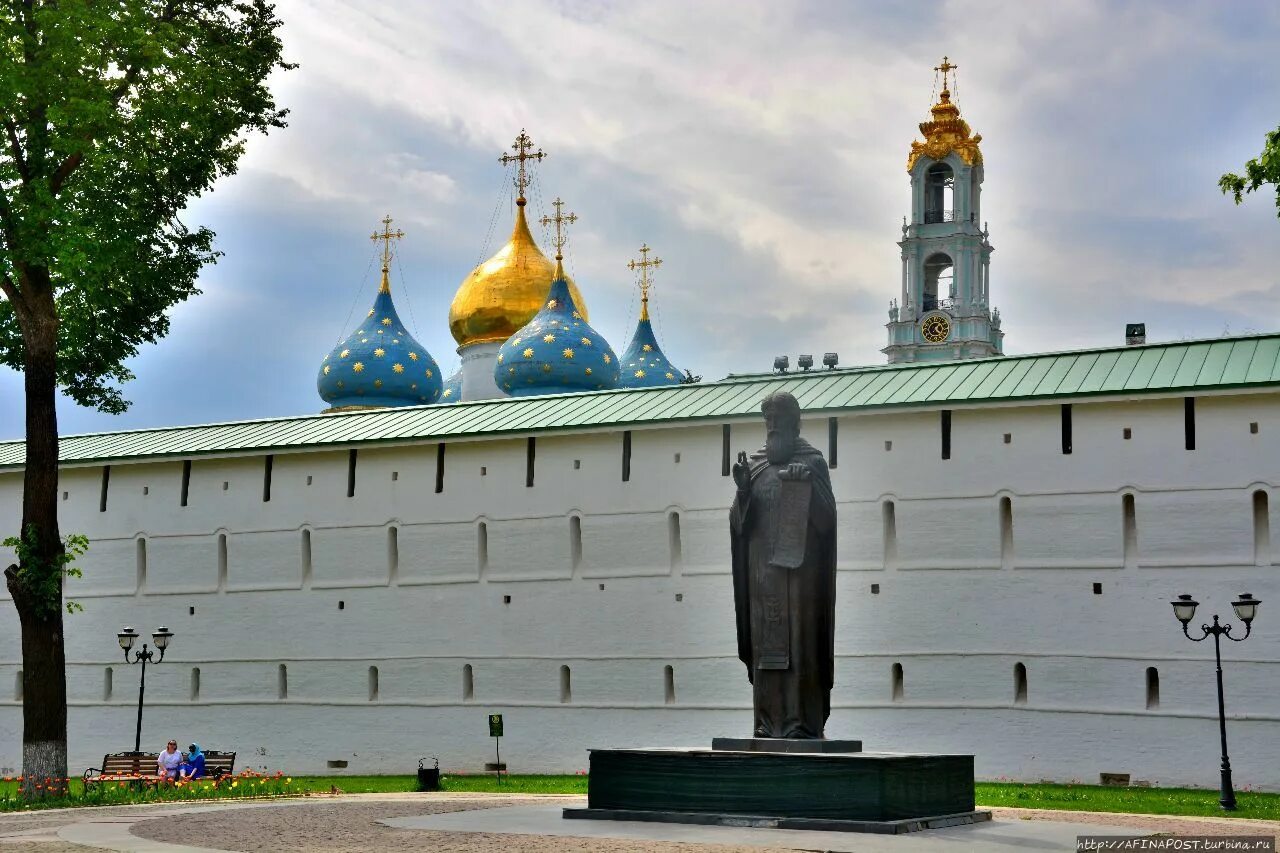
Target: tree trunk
(44,671)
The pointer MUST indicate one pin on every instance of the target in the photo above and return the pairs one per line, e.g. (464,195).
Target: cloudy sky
(759,147)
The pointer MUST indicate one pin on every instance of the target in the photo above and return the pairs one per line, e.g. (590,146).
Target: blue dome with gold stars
(644,364)
(379,364)
(452,392)
(557,352)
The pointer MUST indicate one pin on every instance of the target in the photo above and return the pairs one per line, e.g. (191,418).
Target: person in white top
(167,764)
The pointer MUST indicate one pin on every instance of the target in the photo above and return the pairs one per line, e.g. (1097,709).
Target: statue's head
(782,426)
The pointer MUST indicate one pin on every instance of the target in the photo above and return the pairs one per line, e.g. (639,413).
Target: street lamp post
(1246,607)
(161,637)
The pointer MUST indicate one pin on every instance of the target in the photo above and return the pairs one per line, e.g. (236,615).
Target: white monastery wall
(317,627)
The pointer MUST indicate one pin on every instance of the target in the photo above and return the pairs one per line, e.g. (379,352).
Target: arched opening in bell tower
(939,279)
(939,194)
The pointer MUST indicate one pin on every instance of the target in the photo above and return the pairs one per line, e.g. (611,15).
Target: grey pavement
(546,820)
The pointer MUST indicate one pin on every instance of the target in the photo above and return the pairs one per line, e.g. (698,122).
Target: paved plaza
(474,823)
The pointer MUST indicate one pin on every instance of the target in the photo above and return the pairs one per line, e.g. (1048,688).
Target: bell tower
(944,312)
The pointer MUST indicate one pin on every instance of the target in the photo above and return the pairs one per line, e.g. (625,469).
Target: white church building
(352,590)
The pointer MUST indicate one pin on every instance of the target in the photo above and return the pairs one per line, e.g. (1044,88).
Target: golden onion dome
(504,293)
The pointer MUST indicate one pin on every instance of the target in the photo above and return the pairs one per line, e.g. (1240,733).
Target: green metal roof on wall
(1187,366)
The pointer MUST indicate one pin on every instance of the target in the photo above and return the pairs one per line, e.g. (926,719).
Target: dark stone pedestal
(775,744)
(854,791)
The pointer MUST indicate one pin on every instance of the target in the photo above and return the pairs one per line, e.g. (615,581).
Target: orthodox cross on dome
(644,265)
(386,235)
(946,67)
(521,146)
(561,220)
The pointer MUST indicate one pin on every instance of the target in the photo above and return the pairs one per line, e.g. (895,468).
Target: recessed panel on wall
(182,564)
(440,553)
(264,560)
(625,545)
(705,542)
(110,567)
(529,549)
(952,533)
(355,556)
(860,535)
(1068,531)
(1195,528)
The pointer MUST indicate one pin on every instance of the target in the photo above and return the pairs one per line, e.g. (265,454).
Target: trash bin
(429,777)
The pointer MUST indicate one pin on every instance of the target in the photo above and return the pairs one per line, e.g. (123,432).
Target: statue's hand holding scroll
(794,471)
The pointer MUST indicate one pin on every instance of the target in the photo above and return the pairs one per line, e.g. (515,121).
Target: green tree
(115,115)
(1263,169)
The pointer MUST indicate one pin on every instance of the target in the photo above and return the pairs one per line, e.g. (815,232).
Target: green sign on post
(495,732)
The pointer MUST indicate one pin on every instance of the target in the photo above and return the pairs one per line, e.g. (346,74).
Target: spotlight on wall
(830,360)
(781,363)
(805,362)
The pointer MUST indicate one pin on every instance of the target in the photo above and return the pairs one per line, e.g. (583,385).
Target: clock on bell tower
(944,312)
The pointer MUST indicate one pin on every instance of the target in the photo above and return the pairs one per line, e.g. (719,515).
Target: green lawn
(1168,801)
(1095,798)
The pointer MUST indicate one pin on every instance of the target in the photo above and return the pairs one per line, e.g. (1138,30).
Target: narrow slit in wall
(1153,688)
(351,473)
(945,422)
(373,684)
(1006,532)
(106,485)
(195,684)
(1066,428)
(267,464)
(439,467)
(566,690)
(1189,422)
(897,683)
(1130,515)
(186,483)
(468,683)
(725,439)
(282,682)
(108,684)
(833,442)
(17,686)
(673,540)
(575,541)
(222,561)
(531,452)
(890,526)
(393,555)
(306,558)
(141,554)
(669,684)
(482,546)
(626,456)
(1020,683)
(1261,528)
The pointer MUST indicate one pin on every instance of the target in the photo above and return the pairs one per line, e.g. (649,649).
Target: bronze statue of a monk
(784,576)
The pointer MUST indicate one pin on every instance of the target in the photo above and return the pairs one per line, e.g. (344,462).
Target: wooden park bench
(141,767)
(123,767)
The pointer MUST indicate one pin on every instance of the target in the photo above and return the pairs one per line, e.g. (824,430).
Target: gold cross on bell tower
(561,221)
(644,265)
(946,67)
(386,235)
(521,146)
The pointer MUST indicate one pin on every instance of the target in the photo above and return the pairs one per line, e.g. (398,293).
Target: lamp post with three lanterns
(161,637)
(1246,607)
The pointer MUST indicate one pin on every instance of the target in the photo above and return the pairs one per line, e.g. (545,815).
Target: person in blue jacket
(193,766)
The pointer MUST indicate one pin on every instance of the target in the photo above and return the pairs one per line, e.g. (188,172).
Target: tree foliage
(1263,169)
(115,116)
(43,580)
